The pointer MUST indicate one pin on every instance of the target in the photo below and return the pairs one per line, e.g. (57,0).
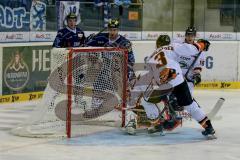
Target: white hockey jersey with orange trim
(165,57)
(187,54)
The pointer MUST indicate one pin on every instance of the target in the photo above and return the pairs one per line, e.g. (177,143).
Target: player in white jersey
(192,75)
(163,69)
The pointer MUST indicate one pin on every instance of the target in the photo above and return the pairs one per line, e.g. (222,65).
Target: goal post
(84,88)
(121,54)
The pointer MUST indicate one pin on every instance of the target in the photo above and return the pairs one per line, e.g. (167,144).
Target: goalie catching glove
(167,74)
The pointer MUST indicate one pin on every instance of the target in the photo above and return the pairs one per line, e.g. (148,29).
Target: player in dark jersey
(114,39)
(70,36)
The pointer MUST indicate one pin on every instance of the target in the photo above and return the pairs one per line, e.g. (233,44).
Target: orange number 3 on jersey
(160,57)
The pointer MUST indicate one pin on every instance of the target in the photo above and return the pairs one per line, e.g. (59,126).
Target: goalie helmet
(163,40)
(71,16)
(191,31)
(113,23)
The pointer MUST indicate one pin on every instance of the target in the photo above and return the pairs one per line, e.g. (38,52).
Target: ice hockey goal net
(84,87)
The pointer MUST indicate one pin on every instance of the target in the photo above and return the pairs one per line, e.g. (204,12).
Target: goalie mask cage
(84,87)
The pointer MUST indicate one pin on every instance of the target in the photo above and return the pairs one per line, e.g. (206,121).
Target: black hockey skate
(169,125)
(209,133)
(155,129)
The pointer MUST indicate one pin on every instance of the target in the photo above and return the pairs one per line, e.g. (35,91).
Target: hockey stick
(133,109)
(91,36)
(102,30)
(212,114)
(191,66)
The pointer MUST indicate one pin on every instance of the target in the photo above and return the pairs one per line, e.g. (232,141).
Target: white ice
(185,143)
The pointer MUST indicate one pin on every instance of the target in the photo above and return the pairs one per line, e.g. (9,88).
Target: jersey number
(73,9)
(160,57)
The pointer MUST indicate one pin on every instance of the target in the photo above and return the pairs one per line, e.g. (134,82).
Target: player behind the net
(113,39)
(163,68)
(70,36)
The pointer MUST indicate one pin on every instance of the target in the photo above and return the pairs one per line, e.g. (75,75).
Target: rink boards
(222,65)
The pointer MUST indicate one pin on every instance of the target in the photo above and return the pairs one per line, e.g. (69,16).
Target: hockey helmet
(163,40)
(191,31)
(71,16)
(114,23)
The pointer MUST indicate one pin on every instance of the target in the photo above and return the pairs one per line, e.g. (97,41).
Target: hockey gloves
(167,74)
(196,78)
(206,44)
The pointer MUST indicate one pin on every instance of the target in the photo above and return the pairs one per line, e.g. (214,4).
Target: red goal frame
(70,81)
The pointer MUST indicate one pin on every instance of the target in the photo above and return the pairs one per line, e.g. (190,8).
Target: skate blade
(211,137)
(131,130)
(134,132)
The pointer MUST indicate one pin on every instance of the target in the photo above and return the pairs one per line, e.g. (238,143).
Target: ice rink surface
(185,143)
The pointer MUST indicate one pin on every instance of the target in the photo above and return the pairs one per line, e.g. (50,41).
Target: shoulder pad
(125,42)
(60,32)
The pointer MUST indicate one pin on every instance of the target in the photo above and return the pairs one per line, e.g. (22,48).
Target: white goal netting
(84,87)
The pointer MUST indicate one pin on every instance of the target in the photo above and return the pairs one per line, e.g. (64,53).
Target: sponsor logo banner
(42,36)
(14,98)
(238,36)
(153,35)
(224,36)
(25,69)
(16,73)
(131,35)
(181,35)
(14,36)
(218,85)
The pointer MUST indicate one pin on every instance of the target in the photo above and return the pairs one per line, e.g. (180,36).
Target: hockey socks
(206,124)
